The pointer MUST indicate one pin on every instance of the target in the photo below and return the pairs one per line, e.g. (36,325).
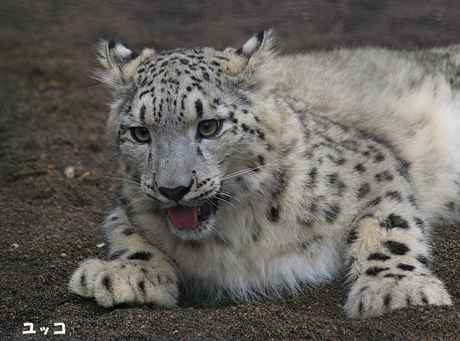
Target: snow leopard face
(186,132)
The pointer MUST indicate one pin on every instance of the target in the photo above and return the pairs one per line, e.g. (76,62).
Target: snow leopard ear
(253,53)
(249,64)
(261,41)
(119,64)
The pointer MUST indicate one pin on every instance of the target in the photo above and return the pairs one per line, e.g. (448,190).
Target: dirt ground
(52,122)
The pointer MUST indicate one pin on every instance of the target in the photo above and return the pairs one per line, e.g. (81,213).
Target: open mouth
(188,217)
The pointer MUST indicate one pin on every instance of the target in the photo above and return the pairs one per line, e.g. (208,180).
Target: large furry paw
(125,281)
(370,297)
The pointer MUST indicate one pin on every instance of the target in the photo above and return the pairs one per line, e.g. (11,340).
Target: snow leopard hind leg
(134,272)
(388,253)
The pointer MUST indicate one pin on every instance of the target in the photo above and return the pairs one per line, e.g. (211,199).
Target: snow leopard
(248,173)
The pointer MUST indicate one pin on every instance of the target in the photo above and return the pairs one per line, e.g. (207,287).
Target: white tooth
(198,210)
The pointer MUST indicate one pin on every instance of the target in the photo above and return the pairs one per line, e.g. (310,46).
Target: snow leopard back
(410,100)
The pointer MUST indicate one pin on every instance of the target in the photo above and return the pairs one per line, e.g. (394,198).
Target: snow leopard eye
(209,128)
(140,134)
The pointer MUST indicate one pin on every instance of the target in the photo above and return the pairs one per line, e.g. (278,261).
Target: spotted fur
(289,168)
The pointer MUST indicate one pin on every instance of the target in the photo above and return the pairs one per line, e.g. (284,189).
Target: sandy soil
(52,117)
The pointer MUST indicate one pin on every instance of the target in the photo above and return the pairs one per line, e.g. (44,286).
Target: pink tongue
(184,217)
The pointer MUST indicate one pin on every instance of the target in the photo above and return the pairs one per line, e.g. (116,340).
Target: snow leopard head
(191,129)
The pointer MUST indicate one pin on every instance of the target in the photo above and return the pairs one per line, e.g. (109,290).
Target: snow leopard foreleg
(134,271)
(389,263)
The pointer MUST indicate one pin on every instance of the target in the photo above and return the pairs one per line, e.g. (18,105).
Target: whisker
(129,176)
(243,171)
(121,179)
(231,196)
(226,201)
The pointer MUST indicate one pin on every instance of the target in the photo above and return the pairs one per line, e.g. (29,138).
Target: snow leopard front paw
(370,297)
(125,281)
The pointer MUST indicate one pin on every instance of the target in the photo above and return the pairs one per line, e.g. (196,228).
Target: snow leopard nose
(175,193)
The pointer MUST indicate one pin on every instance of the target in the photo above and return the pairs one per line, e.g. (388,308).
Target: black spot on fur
(387,300)
(395,195)
(143,93)
(395,276)
(141,285)
(312,175)
(424,298)
(403,169)
(350,145)
(396,248)
(374,202)
(422,259)
(335,182)
(261,160)
(379,157)
(405,267)
(260,134)
(395,221)
(142,114)
(83,279)
(331,212)
(366,216)
(363,191)
(107,283)
(378,256)
(360,168)
(281,181)
(274,214)
(117,254)
(375,270)
(352,236)
(419,222)
(196,79)
(199,151)
(384,176)
(141,255)
(339,161)
(408,302)
(199,108)
(129,231)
